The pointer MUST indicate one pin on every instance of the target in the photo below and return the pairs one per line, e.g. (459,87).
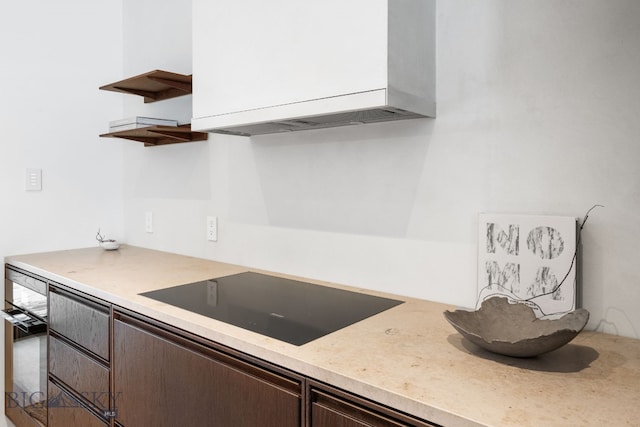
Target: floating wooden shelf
(154,86)
(159,135)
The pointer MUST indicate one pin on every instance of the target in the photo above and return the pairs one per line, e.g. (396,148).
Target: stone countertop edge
(408,357)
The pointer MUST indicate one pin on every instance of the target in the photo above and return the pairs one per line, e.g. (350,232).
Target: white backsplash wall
(538,107)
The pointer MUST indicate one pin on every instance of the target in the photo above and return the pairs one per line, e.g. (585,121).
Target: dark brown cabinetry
(79,372)
(68,411)
(83,321)
(330,407)
(79,336)
(167,379)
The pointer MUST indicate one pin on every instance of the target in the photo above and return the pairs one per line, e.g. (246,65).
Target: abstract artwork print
(529,259)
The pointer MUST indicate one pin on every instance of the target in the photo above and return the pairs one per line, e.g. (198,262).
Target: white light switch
(33,180)
(212,228)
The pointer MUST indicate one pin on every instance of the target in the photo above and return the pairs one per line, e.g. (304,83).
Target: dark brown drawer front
(82,374)
(65,411)
(326,417)
(32,283)
(20,418)
(329,411)
(85,323)
(343,410)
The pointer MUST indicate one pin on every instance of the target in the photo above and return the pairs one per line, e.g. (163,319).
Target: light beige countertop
(407,357)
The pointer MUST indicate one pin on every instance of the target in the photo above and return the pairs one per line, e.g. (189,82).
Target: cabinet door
(250,54)
(164,380)
(339,409)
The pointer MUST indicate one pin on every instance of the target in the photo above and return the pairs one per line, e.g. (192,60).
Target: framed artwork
(529,259)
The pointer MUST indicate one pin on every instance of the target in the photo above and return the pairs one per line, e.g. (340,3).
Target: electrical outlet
(148,222)
(212,228)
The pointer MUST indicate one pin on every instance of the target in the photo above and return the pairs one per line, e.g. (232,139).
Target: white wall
(538,106)
(55,55)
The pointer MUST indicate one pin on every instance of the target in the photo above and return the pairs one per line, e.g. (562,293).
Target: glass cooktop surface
(288,310)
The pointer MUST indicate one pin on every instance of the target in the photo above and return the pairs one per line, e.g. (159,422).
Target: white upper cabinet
(281,65)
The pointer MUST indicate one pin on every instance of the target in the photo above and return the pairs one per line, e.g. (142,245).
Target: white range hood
(289,65)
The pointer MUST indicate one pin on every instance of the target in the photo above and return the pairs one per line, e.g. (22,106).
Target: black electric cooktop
(288,310)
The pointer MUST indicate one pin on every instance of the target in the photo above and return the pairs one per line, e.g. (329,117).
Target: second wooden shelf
(159,135)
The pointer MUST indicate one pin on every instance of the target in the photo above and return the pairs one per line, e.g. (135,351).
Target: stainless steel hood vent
(364,61)
(318,122)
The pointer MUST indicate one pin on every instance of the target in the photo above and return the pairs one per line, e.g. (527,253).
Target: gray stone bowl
(514,330)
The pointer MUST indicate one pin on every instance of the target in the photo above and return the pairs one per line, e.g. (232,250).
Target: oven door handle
(28,324)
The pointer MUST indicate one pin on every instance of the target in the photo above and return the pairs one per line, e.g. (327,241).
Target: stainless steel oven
(25,348)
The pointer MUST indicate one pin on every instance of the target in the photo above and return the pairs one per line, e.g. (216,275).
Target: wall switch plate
(148,222)
(212,228)
(33,180)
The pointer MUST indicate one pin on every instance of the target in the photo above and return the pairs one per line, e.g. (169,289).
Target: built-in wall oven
(25,348)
